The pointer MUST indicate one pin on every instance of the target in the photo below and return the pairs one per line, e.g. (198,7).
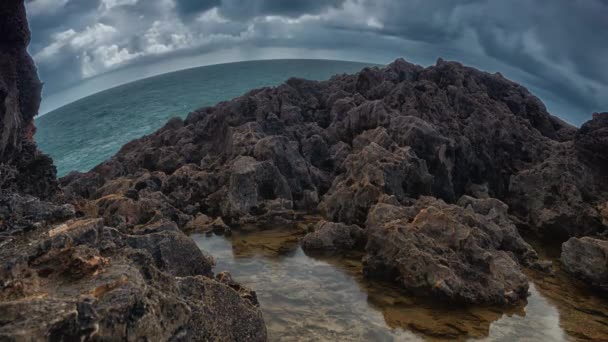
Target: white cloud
(90,37)
(103,58)
(166,36)
(109,4)
(211,16)
(59,41)
(93,35)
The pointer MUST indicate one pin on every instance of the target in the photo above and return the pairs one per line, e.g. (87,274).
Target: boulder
(251,185)
(470,253)
(587,258)
(329,236)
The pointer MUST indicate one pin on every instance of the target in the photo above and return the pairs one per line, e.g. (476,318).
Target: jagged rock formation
(406,131)
(22,167)
(83,280)
(65,278)
(384,135)
(467,252)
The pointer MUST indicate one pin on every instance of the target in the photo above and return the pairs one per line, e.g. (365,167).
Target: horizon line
(41,114)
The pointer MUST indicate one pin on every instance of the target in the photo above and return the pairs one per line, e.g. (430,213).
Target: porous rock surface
(334,236)
(468,252)
(340,145)
(587,258)
(68,276)
(82,280)
(22,166)
(385,135)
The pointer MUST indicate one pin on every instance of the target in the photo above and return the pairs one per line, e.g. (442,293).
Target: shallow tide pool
(308,297)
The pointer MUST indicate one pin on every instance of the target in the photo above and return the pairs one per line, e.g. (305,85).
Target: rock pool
(314,297)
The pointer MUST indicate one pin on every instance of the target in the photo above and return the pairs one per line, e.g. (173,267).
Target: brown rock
(85,280)
(370,173)
(328,236)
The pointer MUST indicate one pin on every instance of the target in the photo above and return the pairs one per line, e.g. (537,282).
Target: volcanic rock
(371,173)
(83,280)
(328,236)
(22,167)
(120,270)
(402,130)
(483,148)
(469,252)
(587,258)
(592,138)
(19,213)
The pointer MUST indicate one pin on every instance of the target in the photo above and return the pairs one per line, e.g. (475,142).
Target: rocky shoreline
(432,172)
(66,276)
(436,169)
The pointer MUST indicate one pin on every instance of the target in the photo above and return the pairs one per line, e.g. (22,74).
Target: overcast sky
(557,48)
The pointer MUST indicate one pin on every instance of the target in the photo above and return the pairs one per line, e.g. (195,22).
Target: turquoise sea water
(84,133)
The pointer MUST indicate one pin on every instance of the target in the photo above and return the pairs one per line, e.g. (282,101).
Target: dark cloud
(61,16)
(193,7)
(556,47)
(240,9)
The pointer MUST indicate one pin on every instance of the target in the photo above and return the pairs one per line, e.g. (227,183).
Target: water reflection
(583,313)
(312,297)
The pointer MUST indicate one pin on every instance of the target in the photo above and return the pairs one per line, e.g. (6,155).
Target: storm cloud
(557,48)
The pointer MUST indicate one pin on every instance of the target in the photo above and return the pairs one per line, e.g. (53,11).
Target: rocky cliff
(64,278)
(460,160)
(433,172)
(22,167)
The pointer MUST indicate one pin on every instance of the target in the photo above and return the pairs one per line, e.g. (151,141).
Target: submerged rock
(587,258)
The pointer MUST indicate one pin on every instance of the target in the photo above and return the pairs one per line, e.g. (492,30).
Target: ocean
(84,133)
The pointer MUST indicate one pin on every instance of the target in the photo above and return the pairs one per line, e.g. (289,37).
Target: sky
(556,48)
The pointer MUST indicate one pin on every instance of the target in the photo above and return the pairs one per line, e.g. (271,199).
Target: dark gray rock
(560,196)
(587,258)
(19,213)
(23,168)
(592,139)
(251,185)
(475,133)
